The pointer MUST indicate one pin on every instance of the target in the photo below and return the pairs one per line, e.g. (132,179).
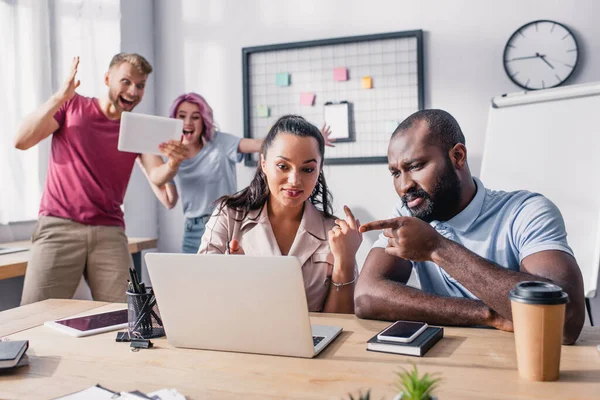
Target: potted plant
(415,387)
(366,396)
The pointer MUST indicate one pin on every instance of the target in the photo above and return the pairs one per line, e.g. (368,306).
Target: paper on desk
(166,394)
(137,395)
(91,393)
(99,393)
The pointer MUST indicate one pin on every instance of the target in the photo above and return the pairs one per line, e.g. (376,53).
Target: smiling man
(469,245)
(80,230)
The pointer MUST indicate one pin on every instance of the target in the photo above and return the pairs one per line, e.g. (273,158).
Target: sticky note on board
(307,99)
(367,82)
(340,74)
(262,111)
(282,79)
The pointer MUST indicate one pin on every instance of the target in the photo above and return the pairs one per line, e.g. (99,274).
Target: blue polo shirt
(503,227)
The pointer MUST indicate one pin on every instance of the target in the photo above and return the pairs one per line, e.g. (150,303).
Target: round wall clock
(540,55)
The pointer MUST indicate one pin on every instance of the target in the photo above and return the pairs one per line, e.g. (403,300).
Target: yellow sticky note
(367,82)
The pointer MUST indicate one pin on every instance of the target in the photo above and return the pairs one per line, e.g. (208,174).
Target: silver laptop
(236,303)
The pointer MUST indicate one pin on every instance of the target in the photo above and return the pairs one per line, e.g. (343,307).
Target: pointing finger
(393,223)
(351,220)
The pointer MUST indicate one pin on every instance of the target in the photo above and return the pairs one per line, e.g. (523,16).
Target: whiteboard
(381,79)
(549,142)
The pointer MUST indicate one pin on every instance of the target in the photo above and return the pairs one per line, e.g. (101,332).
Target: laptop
(236,303)
(141,133)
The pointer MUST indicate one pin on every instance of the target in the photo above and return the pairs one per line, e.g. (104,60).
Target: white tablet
(141,133)
(91,324)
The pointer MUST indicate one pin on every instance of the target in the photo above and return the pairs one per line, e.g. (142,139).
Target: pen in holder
(143,315)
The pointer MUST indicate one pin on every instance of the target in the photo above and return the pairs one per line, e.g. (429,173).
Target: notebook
(11,352)
(417,347)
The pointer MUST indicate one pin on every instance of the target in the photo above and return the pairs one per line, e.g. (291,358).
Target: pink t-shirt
(87,175)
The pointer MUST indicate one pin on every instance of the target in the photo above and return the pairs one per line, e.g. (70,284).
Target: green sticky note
(263,111)
(282,79)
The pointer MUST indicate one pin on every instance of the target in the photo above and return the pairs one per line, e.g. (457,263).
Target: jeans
(192,234)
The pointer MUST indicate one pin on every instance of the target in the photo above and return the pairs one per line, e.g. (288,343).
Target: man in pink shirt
(80,230)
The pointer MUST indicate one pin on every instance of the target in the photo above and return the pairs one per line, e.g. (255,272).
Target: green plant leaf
(366,396)
(414,387)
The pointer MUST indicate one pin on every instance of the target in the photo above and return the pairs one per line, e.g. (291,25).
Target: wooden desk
(474,364)
(15,264)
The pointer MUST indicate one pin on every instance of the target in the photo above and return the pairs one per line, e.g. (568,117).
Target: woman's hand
(175,151)
(345,239)
(326,132)
(235,248)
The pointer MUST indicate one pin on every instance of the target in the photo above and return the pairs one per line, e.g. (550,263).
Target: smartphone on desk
(402,331)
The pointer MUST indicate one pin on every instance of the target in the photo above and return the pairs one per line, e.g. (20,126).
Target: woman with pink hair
(209,170)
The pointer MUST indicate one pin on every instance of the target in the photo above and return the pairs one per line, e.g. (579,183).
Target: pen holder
(143,316)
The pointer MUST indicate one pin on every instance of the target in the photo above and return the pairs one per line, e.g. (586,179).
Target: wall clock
(540,55)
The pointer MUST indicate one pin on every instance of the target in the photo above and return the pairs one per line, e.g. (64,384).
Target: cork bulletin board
(363,85)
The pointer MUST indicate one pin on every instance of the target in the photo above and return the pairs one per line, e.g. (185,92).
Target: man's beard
(114,100)
(441,204)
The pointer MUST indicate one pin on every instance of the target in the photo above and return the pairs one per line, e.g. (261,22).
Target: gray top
(208,176)
(503,227)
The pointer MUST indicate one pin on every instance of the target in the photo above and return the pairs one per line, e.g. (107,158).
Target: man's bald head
(444,131)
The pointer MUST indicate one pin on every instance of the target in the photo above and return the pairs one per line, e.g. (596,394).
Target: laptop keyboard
(317,339)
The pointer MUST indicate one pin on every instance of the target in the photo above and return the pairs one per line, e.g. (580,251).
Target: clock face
(540,55)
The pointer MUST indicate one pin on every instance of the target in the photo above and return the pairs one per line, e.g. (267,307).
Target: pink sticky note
(307,99)
(340,74)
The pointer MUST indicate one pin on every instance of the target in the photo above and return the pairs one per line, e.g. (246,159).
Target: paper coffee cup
(538,312)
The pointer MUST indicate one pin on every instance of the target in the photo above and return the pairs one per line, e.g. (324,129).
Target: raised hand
(344,237)
(67,91)
(326,132)
(175,151)
(235,248)
(408,237)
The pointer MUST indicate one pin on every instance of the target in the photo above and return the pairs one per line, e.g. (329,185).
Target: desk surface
(15,264)
(474,364)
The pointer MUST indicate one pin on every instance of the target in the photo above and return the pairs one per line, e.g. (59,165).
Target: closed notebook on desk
(11,352)
(417,347)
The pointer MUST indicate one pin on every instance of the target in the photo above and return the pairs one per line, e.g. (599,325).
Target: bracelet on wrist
(340,285)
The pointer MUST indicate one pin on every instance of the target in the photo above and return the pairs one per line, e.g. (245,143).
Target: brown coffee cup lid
(533,292)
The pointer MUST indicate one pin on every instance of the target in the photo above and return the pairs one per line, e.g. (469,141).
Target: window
(25,83)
